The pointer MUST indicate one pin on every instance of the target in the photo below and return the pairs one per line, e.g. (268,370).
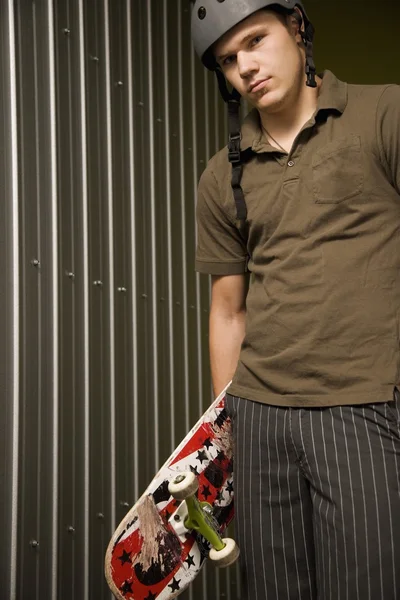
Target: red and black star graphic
(220,496)
(190,561)
(221,456)
(175,585)
(206,492)
(126,587)
(201,456)
(207,443)
(125,557)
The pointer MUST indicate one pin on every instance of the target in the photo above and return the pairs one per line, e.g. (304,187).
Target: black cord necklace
(274,140)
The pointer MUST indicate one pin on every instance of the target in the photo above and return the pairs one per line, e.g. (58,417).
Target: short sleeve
(221,249)
(388,132)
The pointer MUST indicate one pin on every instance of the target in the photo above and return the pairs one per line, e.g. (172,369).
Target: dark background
(358,41)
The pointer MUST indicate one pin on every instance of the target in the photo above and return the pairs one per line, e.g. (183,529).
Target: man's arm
(227,326)
(388,132)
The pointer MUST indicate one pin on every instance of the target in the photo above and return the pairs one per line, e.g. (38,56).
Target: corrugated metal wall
(108,120)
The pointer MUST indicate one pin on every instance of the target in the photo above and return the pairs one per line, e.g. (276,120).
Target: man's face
(263,60)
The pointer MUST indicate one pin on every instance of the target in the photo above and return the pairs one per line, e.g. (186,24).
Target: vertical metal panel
(54,399)
(15,387)
(152,249)
(110,262)
(183,175)
(10,328)
(84,519)
(108,327)
(196,100)
(101,296)
(144,234)
(168,199)
(133,401)
(72,274)
(162,246)
(38,443)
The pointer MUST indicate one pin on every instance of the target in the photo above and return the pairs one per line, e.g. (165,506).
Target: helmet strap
(234,153)
(311,70)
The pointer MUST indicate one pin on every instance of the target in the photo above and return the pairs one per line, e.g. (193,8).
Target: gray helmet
(211,19)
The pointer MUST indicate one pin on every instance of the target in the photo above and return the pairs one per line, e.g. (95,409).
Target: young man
(301,234)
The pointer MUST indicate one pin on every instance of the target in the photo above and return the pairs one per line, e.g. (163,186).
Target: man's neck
(283,126)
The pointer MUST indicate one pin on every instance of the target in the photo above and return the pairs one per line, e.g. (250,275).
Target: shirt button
(291,163)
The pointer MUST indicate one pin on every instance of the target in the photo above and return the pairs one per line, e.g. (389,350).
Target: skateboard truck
(198,516)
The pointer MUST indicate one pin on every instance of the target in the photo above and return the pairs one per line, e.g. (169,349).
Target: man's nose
(246,64)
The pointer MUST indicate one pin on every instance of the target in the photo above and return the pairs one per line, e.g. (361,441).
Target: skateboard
(163,542)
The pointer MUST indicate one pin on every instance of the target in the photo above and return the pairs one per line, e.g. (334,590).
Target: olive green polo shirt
(322,249)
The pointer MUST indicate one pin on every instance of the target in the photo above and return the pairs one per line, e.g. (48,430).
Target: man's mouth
(258,85)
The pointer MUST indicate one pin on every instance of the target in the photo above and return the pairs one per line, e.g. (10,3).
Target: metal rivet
(124,504)
(94,58)
(119,83)
(141,104)
(34,544)
(202,13)
(36,262)
(66,31)
(178,303)
(100,515)
(70,529)
(144,295)
(159,120)
(98,283)
(71,275)
(122,290)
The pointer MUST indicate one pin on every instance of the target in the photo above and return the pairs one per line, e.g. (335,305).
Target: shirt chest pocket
(337,171)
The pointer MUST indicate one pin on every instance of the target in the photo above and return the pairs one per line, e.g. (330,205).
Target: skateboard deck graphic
(152,556)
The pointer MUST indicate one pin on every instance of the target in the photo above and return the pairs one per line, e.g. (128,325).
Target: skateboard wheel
(183,486)
(227,556)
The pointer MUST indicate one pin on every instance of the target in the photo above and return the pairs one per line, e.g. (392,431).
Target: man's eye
(229,60)
(256,40)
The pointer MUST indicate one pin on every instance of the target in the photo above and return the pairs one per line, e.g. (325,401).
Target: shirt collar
(332,94)
(332,97)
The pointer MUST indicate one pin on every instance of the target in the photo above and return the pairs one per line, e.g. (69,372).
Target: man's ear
(297,23)
(297,20)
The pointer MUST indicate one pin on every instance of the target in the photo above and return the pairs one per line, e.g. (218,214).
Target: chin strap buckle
(234,147)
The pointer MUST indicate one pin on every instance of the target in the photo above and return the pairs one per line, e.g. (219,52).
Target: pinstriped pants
(317,500)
